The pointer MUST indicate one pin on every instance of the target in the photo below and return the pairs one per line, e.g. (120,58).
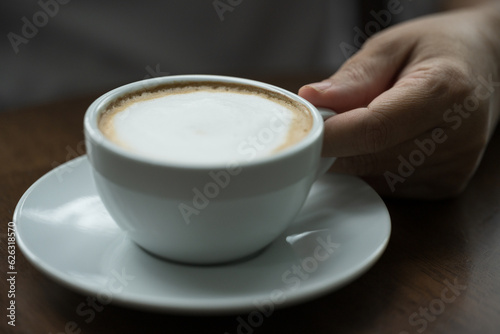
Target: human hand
(417,104)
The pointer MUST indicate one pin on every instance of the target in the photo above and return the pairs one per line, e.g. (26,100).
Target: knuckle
(377,132)
(356,71)
(450,78)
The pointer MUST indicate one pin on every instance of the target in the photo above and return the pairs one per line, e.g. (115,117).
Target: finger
(363,77)
(416,167)
(414,105)
(378,163)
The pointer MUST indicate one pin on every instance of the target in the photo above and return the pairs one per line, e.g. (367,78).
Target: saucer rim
(183,306)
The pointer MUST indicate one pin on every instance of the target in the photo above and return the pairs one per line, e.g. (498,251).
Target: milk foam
(203,127)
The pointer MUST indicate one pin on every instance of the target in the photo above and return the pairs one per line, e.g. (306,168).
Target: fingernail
(321,86)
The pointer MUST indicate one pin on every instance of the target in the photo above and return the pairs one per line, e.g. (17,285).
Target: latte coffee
(205,122)
(193,168)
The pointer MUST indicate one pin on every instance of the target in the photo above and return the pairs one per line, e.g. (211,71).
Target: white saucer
(64,231)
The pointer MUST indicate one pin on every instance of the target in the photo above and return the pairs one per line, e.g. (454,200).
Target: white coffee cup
(203,213)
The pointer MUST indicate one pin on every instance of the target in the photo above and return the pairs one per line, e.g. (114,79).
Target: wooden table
(439,274)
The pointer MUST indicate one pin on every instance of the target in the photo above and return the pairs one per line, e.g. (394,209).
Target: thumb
(363,77)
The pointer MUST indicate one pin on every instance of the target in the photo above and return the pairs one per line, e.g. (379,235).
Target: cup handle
(325,163)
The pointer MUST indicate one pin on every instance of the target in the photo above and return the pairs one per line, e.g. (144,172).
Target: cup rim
(93,133)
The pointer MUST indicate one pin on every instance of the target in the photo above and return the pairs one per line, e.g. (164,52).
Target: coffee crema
(205,122)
